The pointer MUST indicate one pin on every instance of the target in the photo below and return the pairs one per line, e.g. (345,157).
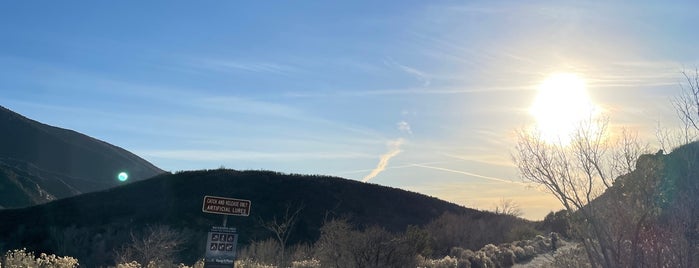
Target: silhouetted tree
(157,244)
(579,172)
(281,228)
(508,207)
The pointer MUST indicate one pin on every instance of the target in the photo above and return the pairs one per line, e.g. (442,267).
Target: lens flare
(123,176)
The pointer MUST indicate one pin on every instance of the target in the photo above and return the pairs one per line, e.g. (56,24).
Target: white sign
(221,244)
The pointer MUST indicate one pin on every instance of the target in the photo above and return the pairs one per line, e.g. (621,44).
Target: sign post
(221,242)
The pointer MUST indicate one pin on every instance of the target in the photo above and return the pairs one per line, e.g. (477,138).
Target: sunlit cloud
(393,150)
(404,127)
(341,173)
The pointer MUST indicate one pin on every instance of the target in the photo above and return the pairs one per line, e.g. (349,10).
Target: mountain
(107,218)
(40,163)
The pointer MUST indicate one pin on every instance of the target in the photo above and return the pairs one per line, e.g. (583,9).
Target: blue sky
(435,87)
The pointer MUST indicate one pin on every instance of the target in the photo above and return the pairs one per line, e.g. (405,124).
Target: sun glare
(561,105)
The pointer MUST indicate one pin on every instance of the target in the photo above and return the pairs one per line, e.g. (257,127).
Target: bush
(265,251)
(481,260)
(22,258)
(521,255)
(312,263)
(158,246)
(248,263)
(505,257)
(446,262)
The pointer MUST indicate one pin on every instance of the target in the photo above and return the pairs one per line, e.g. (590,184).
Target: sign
(221,244)
(226,206)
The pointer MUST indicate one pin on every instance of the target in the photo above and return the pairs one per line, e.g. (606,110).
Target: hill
(105,219)
(649,217)
(40,163)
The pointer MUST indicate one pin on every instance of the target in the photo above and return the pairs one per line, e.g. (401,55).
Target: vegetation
(99,227)
(628,208)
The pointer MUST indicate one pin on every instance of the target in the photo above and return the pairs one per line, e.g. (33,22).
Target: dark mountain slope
(176,201)
(39,163)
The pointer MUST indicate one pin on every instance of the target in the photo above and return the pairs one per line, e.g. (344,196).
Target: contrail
(393,150)
(391,167)
(468,173)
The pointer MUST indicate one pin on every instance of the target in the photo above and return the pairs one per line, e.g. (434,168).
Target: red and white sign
(226,206)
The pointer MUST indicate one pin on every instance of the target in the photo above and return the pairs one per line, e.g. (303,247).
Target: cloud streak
(469,174)
(244,66)
(393,150)
(419,75)
(237,155)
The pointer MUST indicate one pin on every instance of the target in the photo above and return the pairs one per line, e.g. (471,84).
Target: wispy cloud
(244,66)
(404,127)
(447,90)
(496,160)
(393,150)
(469,174)
(419,75)
(228,155)
(250,106)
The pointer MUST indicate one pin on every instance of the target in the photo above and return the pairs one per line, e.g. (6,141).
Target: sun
(561,105)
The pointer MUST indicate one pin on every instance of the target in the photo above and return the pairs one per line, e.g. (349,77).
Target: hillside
(653,211)
(40,163)
(108,217)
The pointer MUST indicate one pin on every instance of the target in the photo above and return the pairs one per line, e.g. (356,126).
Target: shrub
(22,258)
(521,255)
(481,260)
(248,263)
(446,262)
(505,257)
(311,263)
(132,264)
(461,254)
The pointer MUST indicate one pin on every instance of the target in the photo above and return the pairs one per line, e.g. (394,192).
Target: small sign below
(221,244)
(226,206)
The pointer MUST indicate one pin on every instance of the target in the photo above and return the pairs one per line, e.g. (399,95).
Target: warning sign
(226,206)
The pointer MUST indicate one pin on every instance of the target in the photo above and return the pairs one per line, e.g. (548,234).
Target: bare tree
(281,228)
(158,245)
(342,246)
(687,103)
(579,172)
(508,207)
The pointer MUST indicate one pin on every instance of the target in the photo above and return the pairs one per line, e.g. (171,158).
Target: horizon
(424,97)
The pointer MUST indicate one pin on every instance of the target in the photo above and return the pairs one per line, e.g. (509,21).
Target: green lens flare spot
(123,176)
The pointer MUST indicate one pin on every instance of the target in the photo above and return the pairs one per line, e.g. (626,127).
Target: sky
(420,95)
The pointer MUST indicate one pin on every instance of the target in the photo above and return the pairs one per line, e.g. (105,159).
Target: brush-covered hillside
(91,226)
(649,217)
